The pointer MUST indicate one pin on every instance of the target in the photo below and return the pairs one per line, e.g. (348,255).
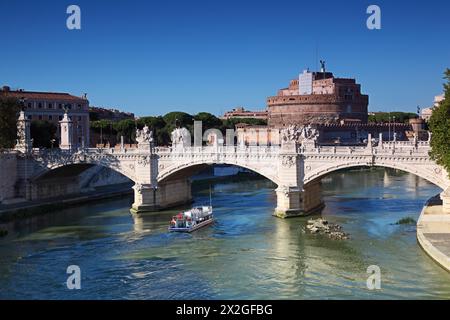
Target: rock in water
(321,226)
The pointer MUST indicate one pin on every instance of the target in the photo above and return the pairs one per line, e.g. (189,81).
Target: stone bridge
(161,174)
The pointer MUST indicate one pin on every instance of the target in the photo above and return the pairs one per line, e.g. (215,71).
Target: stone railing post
(66,133)
(24,141)
(380,140)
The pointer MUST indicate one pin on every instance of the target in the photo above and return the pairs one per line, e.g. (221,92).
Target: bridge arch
(43,169)
(172,170)
(432,174)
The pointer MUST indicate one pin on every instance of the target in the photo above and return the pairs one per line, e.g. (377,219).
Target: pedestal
(294,202)
(288,202)
(144,198)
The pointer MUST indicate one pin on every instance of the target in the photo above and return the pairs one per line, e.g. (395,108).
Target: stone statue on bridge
(144,136)
(309,133)
(303,134)
(181,138)
(290,134)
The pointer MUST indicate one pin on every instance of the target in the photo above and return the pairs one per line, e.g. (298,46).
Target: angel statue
(145,135)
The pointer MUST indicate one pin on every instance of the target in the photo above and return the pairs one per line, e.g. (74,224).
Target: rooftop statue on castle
(145,135)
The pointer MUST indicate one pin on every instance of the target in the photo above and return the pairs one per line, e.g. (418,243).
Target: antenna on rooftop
(322,66)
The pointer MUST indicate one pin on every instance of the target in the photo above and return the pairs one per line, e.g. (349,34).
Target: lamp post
(389,127)
(394,128)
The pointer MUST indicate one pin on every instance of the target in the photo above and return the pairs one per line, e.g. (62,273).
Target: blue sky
(151,57)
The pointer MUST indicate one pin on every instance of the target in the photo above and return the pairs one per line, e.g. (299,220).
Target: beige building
(240,112)
(427,112)
(49,106)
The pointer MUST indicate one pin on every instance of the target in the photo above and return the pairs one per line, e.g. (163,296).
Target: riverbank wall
(433,232)
(34,208)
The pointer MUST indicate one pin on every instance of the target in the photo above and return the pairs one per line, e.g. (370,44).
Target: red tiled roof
(43,95)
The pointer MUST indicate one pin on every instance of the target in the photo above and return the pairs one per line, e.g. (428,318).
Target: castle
(318,98)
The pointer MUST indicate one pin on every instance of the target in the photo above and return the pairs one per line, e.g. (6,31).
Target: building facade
(318,98)
(50,106)
(427,112)
(240,112)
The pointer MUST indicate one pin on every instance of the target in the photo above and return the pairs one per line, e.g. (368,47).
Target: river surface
(246,254)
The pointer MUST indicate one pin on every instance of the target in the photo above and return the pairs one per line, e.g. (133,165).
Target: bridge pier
(312,197)
(144,198)
(288,202)
(169,194)
(295,202)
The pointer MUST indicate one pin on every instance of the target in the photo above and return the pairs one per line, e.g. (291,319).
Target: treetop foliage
(440,128)
(9,109)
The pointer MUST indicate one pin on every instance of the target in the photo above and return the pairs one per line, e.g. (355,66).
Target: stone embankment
(433,232)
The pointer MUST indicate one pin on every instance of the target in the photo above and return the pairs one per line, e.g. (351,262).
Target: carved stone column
(24,142)
(289,174)
(66,142)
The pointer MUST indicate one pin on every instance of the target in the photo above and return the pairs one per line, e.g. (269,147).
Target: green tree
(185,119)
(101,125)
(385,117)
(209,121)
(158,126)
(9,109)
(43,134)
(127,129)
(231,123)
(154,123)
(440,127)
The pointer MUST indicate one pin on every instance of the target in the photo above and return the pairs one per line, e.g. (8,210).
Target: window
(29,105)
(79,118)
(50,105)
(29,117)
(50,117)
(60,118)
(69,106)
(60,106)
(40,105)
(79,106)
(40,117)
